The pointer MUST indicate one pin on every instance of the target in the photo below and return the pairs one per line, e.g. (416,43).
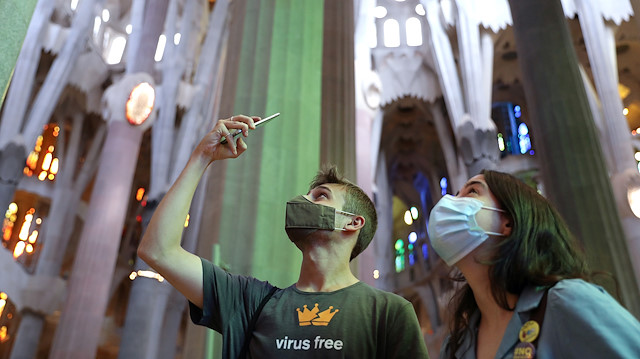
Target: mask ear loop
(497,210)
(344,213)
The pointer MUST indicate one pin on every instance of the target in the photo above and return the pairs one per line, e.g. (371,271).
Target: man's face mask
(453,229)
(304,217)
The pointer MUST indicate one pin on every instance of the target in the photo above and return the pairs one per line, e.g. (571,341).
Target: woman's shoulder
(581,296)
(579,311)
(576,287)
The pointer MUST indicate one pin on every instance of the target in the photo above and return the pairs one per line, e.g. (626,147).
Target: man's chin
(299,235)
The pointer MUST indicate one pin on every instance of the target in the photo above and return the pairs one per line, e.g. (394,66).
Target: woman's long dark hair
(540,251)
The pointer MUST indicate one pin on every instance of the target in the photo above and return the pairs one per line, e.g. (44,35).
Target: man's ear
(356,223)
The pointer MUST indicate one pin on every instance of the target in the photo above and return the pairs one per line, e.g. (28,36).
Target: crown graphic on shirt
(314,316)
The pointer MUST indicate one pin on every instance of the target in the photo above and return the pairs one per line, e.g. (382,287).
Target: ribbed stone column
(275,66)
(338,90)
(79,329)
(569,152)
(78,332)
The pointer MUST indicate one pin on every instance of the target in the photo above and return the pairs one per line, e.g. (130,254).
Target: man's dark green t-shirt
(358,321)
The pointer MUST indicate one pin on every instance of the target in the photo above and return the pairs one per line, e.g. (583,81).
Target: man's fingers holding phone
(239,124)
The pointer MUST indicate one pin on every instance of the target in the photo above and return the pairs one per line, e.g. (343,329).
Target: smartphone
(257,124)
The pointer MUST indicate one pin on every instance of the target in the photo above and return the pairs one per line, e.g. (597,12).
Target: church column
(383,242)
(79,329)
(477,134)
(442,53)
(15,26)
(13,156)
(148,300)
(366,110)
(599,38)
(569,152)
(338,97)
(274,67)
(23,77)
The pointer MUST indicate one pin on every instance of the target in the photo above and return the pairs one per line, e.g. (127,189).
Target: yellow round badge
(529,331)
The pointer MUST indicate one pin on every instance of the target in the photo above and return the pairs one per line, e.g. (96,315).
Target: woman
(526,292)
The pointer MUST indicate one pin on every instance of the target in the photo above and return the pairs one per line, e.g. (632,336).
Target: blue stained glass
(443,185)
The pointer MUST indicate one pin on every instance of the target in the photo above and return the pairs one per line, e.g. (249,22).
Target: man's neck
(323,270)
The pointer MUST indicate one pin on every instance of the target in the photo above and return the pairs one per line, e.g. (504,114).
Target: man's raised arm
(160,246)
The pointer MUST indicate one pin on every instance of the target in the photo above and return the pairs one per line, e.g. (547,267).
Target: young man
(327,313)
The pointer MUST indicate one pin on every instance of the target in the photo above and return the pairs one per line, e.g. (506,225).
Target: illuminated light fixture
(3,301)
(33,237)
(139,194)
(55,163)
(51,176)
(162,42)
(501,142)
(407,218)
(186,221)
(38,220)
(73,5)
(140,103)
(414,213)
(399,245)
(625,111)
(4,336)
(13,207)
(420,10)
(376,274)
(46,164)
(379,12)
(623,91)
(413,237)
(29,248)
(116,50)
(97,22)
(32,160)
(19,249)
(176,38)
(146,274)
(42,176)
(128,29)
(633,196)
(26,225)
(7,230)
(106,15)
